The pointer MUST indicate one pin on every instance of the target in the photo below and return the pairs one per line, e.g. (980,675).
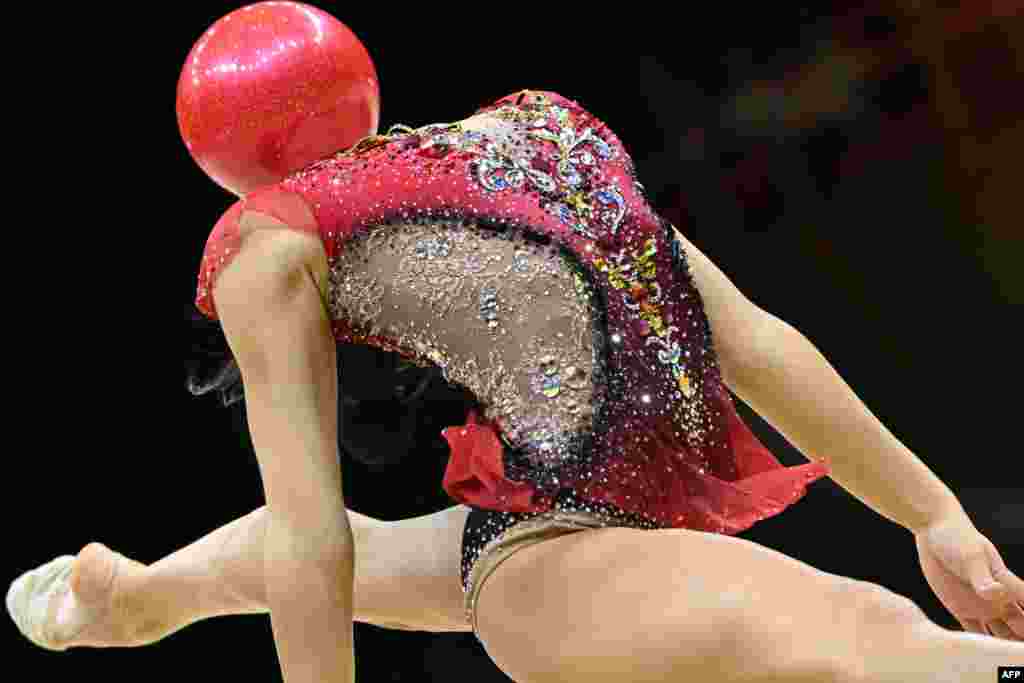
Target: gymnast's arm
(779,373)
(278,330)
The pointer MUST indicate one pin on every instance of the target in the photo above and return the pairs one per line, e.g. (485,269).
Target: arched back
(505,314)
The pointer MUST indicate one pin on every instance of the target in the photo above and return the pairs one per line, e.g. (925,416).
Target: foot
(75,601)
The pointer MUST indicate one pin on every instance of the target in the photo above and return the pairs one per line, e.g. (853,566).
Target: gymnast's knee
(825,640)
(872,606)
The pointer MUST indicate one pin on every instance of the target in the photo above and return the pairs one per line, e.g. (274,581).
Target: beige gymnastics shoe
(31,597)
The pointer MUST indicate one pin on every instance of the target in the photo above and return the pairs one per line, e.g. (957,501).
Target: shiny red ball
(271,88)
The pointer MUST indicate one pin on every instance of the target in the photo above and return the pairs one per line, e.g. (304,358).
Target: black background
(846,227)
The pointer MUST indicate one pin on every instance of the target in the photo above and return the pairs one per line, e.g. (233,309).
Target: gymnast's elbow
(760,351)
(748,350)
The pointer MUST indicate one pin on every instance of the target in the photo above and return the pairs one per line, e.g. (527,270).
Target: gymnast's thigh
(645,605)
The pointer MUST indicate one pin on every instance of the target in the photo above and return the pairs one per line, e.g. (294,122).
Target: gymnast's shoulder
(276,256)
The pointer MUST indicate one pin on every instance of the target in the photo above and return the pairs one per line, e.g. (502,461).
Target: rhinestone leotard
(516,250)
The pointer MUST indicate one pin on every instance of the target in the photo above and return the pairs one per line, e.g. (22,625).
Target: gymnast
(602,473)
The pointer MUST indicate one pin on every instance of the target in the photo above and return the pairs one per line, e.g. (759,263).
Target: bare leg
(220,574)
(407,577)
(116,601)
(928,652)
(680,605)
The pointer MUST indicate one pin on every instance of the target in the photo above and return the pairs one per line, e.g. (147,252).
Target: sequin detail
(505,327)
(515,249)
(485,529)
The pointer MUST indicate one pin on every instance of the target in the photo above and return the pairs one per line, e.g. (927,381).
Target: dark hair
(388,407)
(209,365)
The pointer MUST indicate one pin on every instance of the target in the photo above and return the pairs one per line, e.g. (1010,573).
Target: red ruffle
(655,480)
(660,477)
(476,472)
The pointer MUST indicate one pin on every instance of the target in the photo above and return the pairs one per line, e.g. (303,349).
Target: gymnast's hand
(969,576)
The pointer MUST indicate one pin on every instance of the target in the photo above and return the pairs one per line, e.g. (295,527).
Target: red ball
(271,88)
